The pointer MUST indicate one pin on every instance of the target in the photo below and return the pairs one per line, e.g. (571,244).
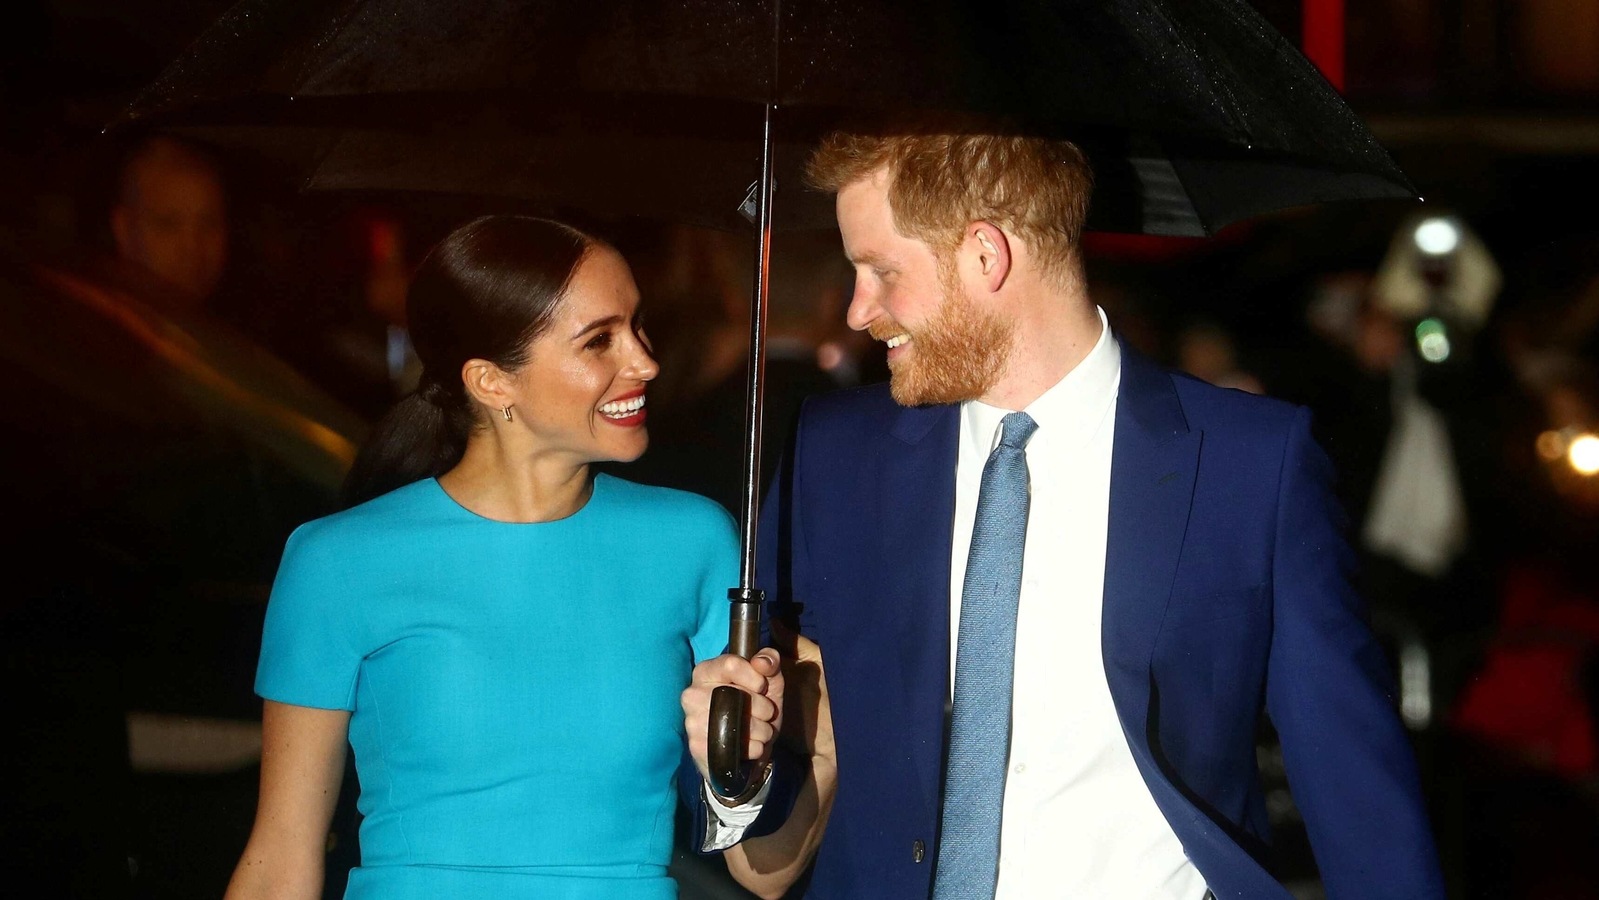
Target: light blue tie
(979,734)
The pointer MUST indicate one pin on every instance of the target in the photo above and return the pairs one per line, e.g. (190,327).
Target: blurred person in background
(1207,351)
(700,446)
(362,350)
(1400,388)
(170,218)
(169,221)
(1528,718)
(167,456)
(169,227)
(1532,696)
(1429,298)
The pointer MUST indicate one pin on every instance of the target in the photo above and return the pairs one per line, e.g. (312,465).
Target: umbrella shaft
(754,405)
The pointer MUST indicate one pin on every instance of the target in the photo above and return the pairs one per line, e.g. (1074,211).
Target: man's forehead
(164,184)
(863,210)
(873,184)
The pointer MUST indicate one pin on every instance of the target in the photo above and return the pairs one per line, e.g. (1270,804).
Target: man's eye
(599,341)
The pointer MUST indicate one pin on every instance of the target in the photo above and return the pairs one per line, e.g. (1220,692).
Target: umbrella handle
(730,773)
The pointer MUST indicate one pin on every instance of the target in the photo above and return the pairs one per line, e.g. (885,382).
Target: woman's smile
(626,410)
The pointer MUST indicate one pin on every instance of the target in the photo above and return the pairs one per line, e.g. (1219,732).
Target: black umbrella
(1195,114)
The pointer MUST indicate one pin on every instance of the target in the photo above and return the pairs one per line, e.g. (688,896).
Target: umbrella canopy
(1194,114)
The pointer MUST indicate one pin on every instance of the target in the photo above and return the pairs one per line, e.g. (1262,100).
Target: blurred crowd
(191,366)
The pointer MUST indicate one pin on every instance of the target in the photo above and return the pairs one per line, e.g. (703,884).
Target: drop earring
(507,411)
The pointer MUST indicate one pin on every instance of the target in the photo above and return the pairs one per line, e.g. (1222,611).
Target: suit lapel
(1154,467)
(918,499)
(1154,462)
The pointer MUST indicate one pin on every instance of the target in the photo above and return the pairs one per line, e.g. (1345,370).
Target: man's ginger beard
(955,356)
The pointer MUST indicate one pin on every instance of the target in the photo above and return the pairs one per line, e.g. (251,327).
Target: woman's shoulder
(381,518)
(668,507)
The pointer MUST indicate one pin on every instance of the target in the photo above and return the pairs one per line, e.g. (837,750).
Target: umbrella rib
(1223,94)
(340,24)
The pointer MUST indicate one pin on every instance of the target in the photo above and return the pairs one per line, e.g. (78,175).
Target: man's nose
(200,241)
(863,309)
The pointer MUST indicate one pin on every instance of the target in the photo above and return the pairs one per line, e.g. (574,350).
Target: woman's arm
(302,763)
(768,866)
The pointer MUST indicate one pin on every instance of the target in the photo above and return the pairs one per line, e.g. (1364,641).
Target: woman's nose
(643,365)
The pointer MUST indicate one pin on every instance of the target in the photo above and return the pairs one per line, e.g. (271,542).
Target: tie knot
(1015,429)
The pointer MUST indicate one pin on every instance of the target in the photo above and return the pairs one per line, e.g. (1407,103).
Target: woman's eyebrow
(605,322)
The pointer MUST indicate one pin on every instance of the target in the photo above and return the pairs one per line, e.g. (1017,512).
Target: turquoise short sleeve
(710,638)
(308,650)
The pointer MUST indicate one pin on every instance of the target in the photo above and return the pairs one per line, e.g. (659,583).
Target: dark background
(1490,106)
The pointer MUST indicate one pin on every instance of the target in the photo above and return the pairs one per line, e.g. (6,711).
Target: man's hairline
(1067,272)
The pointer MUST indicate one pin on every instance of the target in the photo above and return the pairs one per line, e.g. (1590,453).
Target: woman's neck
(498,484)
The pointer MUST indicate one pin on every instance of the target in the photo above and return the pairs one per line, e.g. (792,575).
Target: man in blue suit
(1053,585)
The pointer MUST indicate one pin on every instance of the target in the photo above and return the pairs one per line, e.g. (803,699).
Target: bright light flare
(1437,236)
(1432,340)
(1583,454)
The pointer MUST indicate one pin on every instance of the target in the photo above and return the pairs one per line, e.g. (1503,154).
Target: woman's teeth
(897,339)
(621,409)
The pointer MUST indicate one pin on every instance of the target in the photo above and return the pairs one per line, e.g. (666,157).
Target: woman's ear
(488,384)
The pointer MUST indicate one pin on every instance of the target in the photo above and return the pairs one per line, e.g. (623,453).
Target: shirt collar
(1069,411)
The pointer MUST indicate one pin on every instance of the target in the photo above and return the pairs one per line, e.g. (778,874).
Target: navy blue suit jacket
(1226,592)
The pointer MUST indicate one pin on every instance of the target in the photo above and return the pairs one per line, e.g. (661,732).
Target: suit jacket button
(918,851)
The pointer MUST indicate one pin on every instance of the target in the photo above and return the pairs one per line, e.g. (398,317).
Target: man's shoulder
(1165,398)
(1210,407)
(864,402)
(859,416)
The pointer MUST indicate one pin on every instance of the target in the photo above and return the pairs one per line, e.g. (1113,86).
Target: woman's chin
(632,454)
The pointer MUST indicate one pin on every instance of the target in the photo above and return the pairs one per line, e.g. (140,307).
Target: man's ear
(988,250)
(488,384)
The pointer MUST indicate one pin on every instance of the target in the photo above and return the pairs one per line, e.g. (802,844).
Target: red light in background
(383,240)
(1322,35)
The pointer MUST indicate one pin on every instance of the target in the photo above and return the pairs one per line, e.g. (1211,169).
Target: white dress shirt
(1077,820)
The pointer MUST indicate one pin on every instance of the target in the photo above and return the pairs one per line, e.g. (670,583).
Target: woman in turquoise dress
(499,633)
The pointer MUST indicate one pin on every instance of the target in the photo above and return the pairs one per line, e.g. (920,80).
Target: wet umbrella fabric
(1195,114)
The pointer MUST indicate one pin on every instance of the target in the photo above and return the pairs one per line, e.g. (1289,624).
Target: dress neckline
(600,485)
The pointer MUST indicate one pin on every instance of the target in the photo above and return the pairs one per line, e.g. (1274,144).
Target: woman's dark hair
(483,292)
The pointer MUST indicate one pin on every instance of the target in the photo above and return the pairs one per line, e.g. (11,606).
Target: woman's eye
(599,341)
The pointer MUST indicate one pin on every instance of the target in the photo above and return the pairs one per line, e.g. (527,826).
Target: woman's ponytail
(422,436)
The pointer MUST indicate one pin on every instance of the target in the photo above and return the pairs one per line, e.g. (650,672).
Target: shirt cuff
(725,825)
